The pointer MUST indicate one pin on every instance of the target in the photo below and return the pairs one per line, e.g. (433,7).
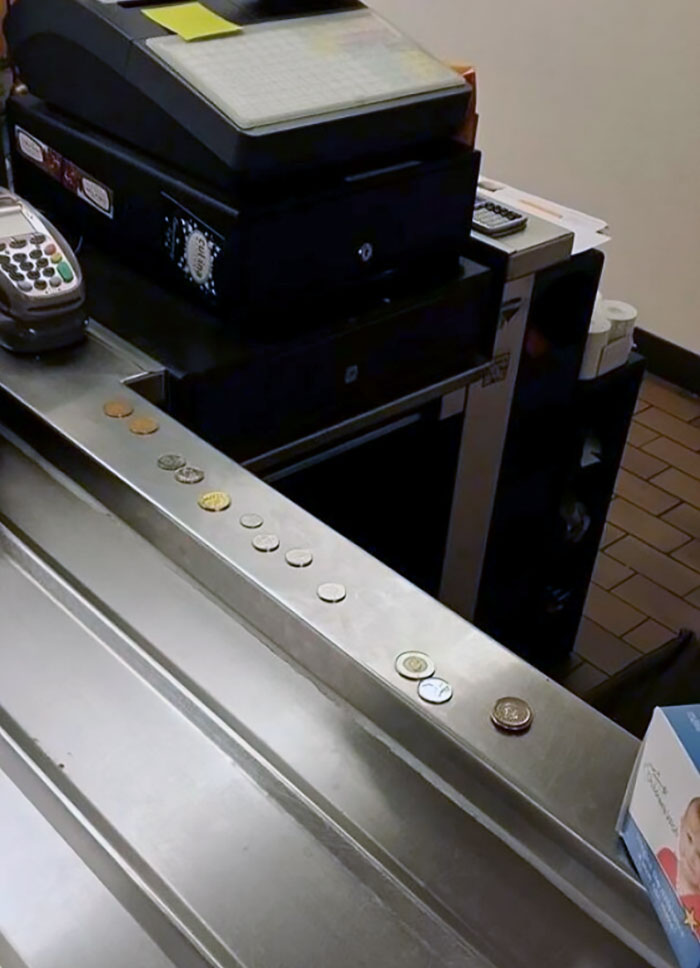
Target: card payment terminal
(41,284)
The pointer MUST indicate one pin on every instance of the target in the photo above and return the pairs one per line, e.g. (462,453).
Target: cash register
(283,156)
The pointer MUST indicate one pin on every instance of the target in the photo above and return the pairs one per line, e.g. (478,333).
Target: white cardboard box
(660,825)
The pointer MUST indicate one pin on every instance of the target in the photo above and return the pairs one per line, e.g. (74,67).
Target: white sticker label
(199,257)
(97,195)
(29,147)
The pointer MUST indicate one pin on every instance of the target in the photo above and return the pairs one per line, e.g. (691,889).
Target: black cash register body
(251,214)
(105,62)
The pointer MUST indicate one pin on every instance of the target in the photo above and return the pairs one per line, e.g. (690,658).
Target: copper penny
(118,408)
(142,426)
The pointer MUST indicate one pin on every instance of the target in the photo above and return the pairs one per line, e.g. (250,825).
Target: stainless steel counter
(205,763)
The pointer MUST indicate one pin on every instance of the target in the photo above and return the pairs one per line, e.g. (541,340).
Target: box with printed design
(660,825)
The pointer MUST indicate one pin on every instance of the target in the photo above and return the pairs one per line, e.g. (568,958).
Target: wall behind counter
(596,105)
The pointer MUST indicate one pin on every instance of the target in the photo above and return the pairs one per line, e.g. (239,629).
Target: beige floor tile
(584,678)
(610,612)
(639,406)
(680,485)
(689,554)
(659,604)
(610,535)
(644,494)
(667,397)
(645,526)
(674,454)
(565,666)
(662,569)
(694,598)
(638,436)
(603,650)
(664,423)
(608,572)
(649,636)
(644,465)
(686,518)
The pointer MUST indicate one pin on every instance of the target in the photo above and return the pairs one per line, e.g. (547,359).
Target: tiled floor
(646,585)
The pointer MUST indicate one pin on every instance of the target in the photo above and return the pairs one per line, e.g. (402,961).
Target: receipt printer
(253,88)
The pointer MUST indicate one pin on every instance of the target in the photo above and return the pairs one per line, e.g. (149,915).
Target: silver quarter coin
(415,665)
(299,557)
(251,521)
(171,462)
(512,714)
(435,690)
(332,592)
(189,475)
(266,542)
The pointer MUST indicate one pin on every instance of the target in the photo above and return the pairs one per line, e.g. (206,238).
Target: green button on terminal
(65,271)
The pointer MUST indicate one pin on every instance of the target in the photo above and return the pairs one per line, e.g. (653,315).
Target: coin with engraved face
(415,665)
(512,715)
(299,557)
(215,501)
(435,690)
(189,475)
(266,542)
(171,462)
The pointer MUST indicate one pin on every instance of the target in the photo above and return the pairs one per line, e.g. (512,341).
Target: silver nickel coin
(189,475)
(415,665)
(171,462)
(251,521)
(512,714)
(435,690)
(266,542)
(299,557)
(332,592)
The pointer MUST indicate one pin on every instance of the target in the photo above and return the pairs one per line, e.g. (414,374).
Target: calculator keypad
(495,219)
(36,265)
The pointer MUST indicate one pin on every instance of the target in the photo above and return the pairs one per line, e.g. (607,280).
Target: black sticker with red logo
(72,177)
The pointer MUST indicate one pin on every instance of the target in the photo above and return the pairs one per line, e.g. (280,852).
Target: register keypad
(35,269)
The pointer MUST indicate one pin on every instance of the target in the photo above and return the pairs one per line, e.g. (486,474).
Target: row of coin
(217,501)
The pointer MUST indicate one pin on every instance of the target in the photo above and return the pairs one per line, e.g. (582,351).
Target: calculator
(41,283)
(496,220)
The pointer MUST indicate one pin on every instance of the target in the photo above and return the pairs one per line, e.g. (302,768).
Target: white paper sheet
(589,231)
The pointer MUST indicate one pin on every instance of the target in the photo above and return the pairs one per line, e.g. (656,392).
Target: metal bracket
(509,310)
(497,371)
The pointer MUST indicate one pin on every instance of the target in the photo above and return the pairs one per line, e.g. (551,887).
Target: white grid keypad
(289,70)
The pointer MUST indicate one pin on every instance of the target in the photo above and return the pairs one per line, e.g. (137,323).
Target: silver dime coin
(189,475)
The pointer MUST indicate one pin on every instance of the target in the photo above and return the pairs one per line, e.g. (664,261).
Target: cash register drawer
(266,252)
(249,392)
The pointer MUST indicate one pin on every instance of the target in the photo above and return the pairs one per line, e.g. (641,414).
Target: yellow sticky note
(191,21)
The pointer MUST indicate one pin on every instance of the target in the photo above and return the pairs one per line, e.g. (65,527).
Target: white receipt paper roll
(621,315)
(598,336)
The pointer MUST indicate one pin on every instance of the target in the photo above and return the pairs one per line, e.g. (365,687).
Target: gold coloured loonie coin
(215,501)
(118,408)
